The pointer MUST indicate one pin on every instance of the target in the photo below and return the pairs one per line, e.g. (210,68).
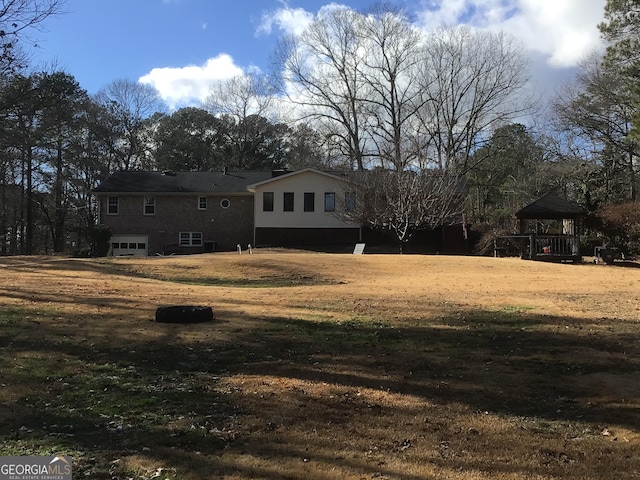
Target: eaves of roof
(550,206)
(180,182)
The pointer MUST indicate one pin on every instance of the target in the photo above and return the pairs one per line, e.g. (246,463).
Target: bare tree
(475,82)
(242,96)
(320,73)
(17,17)
(130,104)
(401,203)
(247,102)
(390,70)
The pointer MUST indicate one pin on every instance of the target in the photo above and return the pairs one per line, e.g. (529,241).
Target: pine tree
(621,29)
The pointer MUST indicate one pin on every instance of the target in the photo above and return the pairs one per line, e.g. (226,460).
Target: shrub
(100,235)
(619,224)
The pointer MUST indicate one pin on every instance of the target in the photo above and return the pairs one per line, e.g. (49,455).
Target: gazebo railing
(553,245)
(543,247)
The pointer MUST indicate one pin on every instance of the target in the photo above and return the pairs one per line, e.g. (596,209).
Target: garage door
(133,245)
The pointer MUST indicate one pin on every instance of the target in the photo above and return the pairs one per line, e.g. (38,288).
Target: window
(225,203)
(309,201)
(329,201)
(350,201)
(267,201)
(202,203)
(190,239)
(149,205)
(288,202)
(112,206)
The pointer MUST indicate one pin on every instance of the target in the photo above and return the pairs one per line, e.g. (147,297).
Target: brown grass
(323,366)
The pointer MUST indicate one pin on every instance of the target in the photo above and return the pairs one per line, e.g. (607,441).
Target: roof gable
(180,182)
(550,206)
(290,175)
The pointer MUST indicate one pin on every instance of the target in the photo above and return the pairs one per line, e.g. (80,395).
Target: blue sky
(182,46)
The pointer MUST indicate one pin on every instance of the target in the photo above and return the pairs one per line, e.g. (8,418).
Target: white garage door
(136,245)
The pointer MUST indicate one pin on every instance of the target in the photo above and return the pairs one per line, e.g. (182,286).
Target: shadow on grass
(121,395)
(277,274)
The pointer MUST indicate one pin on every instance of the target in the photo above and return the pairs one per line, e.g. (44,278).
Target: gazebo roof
(550,206)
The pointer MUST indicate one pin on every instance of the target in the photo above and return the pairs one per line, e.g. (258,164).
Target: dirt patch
(323,366)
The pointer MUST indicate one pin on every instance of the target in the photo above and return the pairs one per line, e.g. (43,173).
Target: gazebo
(550,229)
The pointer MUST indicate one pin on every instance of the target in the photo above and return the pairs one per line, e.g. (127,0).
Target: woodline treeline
(425,111)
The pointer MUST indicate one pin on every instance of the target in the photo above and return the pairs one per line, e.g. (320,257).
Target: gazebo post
(523,240)
(576,236)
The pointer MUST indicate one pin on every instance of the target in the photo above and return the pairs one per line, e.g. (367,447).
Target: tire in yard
(184,314)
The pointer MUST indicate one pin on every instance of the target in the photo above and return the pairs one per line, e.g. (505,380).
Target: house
(302,209)
(152,213)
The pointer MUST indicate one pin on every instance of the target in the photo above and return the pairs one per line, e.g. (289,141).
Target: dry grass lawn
(323,366)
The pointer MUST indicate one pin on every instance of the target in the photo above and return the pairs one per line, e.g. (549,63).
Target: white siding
(300,183)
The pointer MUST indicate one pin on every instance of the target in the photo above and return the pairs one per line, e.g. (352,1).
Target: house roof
(180,182)
(277,178)
(550,206)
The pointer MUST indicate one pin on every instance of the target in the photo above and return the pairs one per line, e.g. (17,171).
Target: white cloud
(438,13)
(292,20)
(564,31)
(191,84)
(288,20)
(558,33)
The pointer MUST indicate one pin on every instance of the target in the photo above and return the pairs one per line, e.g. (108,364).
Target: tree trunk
(59,212)
(28,245)
(3,215)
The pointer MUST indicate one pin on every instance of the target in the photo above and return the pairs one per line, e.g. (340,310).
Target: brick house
(152,213)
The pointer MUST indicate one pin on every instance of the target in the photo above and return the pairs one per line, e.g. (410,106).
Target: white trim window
(149,205)
(113,204)
(190,239)
(202,203)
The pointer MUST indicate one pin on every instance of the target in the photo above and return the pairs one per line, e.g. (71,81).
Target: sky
(182,46)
